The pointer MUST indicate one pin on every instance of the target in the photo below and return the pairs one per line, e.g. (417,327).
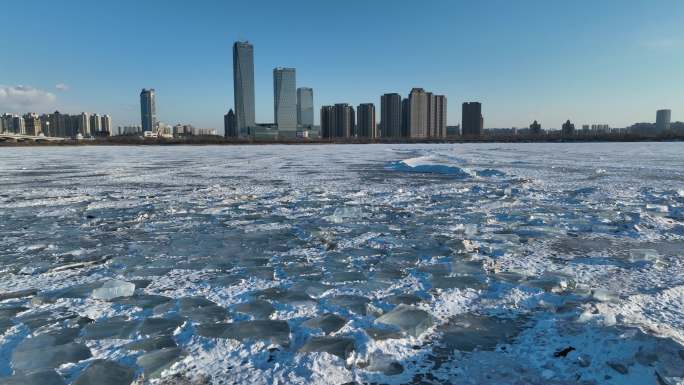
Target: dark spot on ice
(563,352)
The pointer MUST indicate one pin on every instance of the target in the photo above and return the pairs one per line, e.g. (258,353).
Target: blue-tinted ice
(397,264)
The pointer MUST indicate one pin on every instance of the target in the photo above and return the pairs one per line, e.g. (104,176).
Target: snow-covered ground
(435,264)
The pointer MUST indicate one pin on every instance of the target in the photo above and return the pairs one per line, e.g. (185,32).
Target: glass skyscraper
(305,110)
(148,110)
(285,100)
(243,86)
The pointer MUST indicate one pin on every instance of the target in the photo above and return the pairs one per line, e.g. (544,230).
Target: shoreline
(128,141)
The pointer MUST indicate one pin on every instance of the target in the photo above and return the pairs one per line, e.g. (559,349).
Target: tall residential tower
(243,86)
(390,115)
(305,110)
(285,101)
(148,110)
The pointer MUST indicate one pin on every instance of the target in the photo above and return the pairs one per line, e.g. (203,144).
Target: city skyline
(619,67)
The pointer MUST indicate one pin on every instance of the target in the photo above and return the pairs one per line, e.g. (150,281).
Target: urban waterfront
(386,263)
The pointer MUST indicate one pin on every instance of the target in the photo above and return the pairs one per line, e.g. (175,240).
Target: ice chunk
(47,377)
(406,299)
(353,303)
(213,313)
(604,295)
(410,319)
(346,214)
(338,346)
(276,331)
(643,255)
(150,344)
(384,364)
(114,289)
(459,282)
(144,301)
(428,165)
(53,338)
(328,322)
(116,327)
(160,326)
(48,357)
(17,294)
(381,334)
(291,297)
(468,332)
(347,276)
(552,282)
(257,308)
(101,372)
(154,363)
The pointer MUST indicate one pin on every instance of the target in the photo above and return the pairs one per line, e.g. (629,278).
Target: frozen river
(396,264)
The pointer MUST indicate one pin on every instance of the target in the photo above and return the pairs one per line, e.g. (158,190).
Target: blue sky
(592,61)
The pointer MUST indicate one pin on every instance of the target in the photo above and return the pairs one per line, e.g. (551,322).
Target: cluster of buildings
(292,106)
(421,115)
(151,127)
(83,125)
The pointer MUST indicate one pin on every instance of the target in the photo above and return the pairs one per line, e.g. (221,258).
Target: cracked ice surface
(399,264)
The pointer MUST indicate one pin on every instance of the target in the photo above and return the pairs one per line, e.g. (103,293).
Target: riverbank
(126,140)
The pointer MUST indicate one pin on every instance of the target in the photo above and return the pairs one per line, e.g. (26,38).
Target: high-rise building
(148,110)
(106,125)
(440,117)
(32,124)
(95,125)
(663,118)
(365,118)
(305,110)
(568,129)
(345,121)
(472,121)
(285,100)
(418,113)
(19,125)
(243,86)
(230,125)
(337,121)
(327,122)
(431,127)
(390,115)
(83,124)
(405,117)
(535,128)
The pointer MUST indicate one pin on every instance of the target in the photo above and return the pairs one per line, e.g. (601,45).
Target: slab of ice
(48,357)
(468,332)
(276,331)
(114,289)
(152,343)
(102,372)
(47,377)
(406,299)
(328,323)
(291,297)
(257,308)
(116,327)
(410,319)
(428,165)
(154,363)
(338,346)
(380,334)
(643,255)
(346,214)
(384,364)
(354,303)
(160,326)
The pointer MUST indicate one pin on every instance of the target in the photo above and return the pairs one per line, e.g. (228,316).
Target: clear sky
(591,61)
